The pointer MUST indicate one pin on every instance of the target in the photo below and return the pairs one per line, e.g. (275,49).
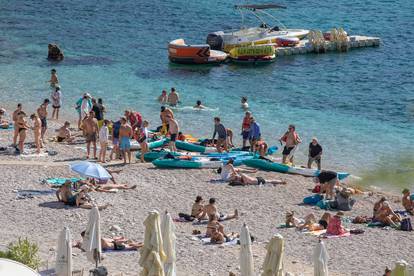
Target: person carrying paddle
(291,140)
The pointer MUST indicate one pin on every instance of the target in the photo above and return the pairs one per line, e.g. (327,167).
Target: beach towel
(59,181)
(118,251)
(206,240)
(313,199)
(376,224)
(316,233)
(283,225)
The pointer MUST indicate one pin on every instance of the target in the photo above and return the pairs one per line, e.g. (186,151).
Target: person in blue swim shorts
(125,133)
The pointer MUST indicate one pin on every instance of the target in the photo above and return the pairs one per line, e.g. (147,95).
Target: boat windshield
(260,13)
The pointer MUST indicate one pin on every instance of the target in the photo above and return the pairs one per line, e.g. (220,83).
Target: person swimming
(199,105)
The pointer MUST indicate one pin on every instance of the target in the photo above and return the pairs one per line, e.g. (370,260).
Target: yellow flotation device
(253,50)
(164,129)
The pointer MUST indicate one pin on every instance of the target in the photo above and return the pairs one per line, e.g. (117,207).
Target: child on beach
(64,134)
(142,136)
(103,140)
(56,102)
(37,125)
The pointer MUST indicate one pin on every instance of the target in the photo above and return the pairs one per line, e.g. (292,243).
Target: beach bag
(406,224)
(312,200)
(323,204)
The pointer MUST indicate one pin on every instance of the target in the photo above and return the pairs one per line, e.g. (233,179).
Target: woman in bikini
(22,127)
(116,243)
(242,179)
(384,213)
(215,231)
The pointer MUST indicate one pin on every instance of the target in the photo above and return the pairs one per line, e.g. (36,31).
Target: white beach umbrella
(402,269)
(320,260)
(152,253)
(273,263)
(64,254)
(10,267)
(168,239)
(85,168)
(92,239)
(246,255)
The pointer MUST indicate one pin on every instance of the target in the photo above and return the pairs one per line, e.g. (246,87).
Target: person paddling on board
(291,140)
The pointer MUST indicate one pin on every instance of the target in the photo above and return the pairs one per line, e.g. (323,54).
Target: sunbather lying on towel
(211,209)
(105,187)
(215,231)
(309,223)
(116,243)
(242,179)
(81,199)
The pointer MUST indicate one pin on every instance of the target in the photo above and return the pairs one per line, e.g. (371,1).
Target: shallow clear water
(359,104)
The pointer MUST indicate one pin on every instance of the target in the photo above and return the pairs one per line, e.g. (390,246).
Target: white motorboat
(263,34)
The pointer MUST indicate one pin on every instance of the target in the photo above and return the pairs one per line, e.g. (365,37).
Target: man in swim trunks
(211,209)
(42,113)
(328,181)
(14,118)
(315,153)
(173,131)
(291,140)
(245,129)
(115,139)
(165,111)
(221,131)
(134,118)
(90,132)
(173,97)
(125,134)
(37,130)
(64,134)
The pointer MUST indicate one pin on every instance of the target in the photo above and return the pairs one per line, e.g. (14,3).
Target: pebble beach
(262,208)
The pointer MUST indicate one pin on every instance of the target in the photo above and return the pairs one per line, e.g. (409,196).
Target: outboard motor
(215,40)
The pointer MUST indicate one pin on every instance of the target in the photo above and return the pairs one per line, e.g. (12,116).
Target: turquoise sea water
(359,104)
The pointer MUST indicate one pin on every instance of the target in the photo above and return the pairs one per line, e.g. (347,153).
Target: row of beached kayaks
(195,155)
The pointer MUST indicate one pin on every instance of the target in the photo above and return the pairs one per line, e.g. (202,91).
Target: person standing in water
(173,131)
(315,153)
(173,97)
(56,102)
(42,113)
(291,140)
(14,118)
(37,130)
(90,131)
(221,131)
(125,133)
(244,103)
(54,81)
(163,98)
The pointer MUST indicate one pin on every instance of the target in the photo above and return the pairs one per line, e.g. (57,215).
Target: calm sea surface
(359,104)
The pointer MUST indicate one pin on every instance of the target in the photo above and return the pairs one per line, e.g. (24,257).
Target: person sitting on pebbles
(215,230)
(228,171)
(64,134)
(384,213)
(116,243)
(4,124)
(407,202)
(211,209)
(335,225)
(81,199)
(197,211)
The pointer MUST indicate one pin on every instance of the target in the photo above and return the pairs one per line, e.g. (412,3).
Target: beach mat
(119,251)
(207,241)
(326,236)
(24,194)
